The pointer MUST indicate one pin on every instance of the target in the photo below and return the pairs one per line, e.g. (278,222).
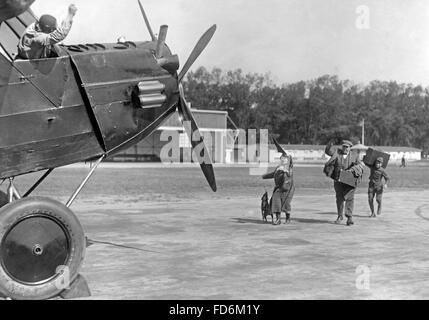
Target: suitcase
(348,178)
(372,155)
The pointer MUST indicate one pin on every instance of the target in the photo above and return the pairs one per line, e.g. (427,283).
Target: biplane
(88,103)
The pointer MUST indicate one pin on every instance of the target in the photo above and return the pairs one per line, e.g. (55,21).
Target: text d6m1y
(220,309)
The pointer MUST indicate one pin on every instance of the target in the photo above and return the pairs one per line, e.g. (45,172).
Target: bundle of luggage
(353,176)
(372,155)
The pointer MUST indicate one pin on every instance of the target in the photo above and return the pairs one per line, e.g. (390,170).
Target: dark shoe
(278,220)
(288,221)
(340,218)
(373,216)
(350,221)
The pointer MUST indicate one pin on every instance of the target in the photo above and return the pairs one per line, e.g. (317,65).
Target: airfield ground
(215,245)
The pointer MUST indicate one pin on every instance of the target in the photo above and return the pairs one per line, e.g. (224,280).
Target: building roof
(289,147)
(206,119)
(398,149)
(303,147)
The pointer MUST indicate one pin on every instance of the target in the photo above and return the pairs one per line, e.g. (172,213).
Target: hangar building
(212,124)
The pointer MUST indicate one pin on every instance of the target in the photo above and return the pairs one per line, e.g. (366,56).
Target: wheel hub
(38,250)
(34,248)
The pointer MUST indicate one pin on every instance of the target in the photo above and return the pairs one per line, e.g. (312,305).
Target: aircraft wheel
(3,199)
(42,247)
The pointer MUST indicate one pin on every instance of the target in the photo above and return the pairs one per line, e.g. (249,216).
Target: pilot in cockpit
(39,38)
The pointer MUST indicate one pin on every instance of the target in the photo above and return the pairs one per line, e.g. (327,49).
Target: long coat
(344,193)
(284,189)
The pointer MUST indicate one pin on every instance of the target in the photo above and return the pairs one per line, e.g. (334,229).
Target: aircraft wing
(11,31)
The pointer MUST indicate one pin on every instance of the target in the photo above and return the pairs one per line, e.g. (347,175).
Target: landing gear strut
(42,246)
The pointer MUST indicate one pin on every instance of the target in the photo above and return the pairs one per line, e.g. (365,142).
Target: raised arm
(61,32)
(332,160)
(290,165)
(368,165)
(268,176)
(329,167)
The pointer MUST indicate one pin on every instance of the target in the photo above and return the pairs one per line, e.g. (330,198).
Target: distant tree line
(316,111)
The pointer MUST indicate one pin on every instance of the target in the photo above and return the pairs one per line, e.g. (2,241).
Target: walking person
(377,185)
(403,162)
(284,189)
(344,160)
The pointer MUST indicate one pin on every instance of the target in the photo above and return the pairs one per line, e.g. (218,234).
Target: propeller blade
(147,22)
(205,161)
(200,46)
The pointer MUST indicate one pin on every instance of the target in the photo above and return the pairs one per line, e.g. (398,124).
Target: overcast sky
(291,39)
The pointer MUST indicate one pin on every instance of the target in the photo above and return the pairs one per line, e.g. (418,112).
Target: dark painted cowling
(91,100)
(126,89)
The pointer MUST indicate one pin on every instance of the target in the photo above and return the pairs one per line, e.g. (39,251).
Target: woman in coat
(284,188)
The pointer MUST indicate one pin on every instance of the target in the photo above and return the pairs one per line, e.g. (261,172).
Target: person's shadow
(254,221)
(327,213)
(299,220)
(335,214)
(313,221)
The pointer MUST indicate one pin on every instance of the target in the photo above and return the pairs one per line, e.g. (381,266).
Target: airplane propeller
(196,139)
(146,20)
(198,49)
(193,132)
(186,114)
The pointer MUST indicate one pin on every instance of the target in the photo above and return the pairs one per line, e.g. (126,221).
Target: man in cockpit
(39,38)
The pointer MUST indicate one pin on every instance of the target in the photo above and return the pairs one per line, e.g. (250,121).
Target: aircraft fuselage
(92,100)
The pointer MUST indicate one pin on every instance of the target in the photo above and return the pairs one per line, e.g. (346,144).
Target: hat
(47,23)
(380,159)
(347,143)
